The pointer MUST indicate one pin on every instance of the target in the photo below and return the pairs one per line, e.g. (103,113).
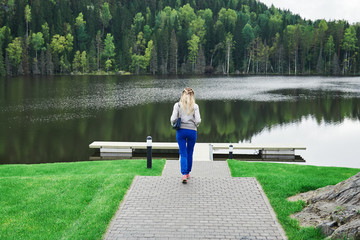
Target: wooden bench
(125,149)
(266,152)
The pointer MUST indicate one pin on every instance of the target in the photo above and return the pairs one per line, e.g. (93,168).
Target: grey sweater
(187,121)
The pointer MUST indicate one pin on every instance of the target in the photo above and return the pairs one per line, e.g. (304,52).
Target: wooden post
(231,149)
(149,151)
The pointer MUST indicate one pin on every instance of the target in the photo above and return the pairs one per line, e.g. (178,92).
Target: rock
(344,214)
(335,210)
(327,228)
(350,230)
(122,73)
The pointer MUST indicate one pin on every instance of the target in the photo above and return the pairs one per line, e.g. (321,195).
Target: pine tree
(82,36)
(153,61)
(173,58)
(20,70)
(276,53)
(84,61)
(26,62)
(7,65)
(163,51)
(42,63)
(335,68)
(319,65)
(76,62)
(92,57)
(200,62)
(35,67)
(99,48)
(49,63)
(2,64)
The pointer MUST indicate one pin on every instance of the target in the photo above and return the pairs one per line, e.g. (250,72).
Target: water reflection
(54,119)
(327,144)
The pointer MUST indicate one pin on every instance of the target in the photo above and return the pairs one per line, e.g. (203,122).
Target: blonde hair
(187,101)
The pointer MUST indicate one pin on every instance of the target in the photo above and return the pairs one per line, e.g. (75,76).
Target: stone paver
(202,152)
(216,169)
(212,205)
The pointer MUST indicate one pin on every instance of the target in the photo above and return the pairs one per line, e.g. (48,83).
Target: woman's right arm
(174,114)
(197,115)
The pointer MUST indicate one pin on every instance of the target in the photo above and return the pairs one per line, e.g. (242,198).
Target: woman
(186,136)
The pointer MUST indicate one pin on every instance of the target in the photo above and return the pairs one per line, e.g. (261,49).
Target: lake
(54,119)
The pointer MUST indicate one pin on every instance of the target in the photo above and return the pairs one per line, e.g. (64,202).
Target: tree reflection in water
(59,127)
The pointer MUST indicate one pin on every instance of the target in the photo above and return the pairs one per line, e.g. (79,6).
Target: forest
(46,37)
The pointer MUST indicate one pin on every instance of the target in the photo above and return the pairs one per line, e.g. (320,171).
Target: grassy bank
(65,200)
(281,181)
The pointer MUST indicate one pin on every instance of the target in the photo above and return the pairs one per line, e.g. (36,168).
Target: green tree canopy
(71,26)
(59,44)
(14,51)
(248,34)
(105,15)
(187,15)
(350,39)
(193,45)
(82,36)
(27,14)
(109,49)
(37,40)
(227,17)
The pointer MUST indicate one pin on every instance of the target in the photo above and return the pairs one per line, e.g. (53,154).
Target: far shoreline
(184,75)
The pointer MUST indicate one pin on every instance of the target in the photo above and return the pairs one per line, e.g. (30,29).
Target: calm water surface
(54,119)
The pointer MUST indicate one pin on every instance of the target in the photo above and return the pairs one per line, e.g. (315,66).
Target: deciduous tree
(109,48)
(37,42)
(84,61)
(81,34)
(14,51)
(76,62)
(193,45)
(229,43)
(292,34)
(27,19)
(105,16)
(329,51)
(349,45)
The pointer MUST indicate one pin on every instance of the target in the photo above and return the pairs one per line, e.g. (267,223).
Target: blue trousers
(186,139)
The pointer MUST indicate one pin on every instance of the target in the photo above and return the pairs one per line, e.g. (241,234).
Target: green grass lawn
(65,200)
(281,181)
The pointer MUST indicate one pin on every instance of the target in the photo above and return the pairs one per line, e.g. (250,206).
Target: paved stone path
(215,169)
(212,205)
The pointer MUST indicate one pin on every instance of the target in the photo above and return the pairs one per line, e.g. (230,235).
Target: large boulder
(335,210)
